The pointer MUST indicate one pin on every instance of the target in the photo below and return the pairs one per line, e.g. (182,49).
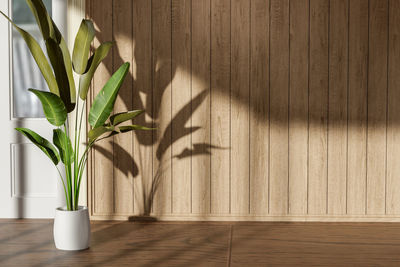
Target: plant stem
(78,171)
(76,154)
(65,191)
(68,164)
(80,127)
(68,171)
(80,175)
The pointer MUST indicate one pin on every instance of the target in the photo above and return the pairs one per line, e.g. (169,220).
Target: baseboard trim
(250,218)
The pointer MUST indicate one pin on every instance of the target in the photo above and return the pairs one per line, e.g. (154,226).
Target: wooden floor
(29,243)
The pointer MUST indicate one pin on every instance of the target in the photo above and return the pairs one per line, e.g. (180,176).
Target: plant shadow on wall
(151,85)
(150,100)
(301,107)
(162,146)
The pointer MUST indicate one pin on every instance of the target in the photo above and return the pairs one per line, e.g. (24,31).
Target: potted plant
(71,223)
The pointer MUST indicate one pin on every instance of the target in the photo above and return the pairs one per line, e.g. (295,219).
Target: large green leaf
(39,57)
(42,17)
(57,61)
(68,68)
(63,143)
(42,143)
(63,66)
(97,132)
(105,100)
(82,43)
(53,107)
(67,61)
(99,54)
(124,116)
(128,128)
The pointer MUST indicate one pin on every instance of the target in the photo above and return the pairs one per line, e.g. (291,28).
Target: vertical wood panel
(220,105)
(103,164)
(202,148)
(259,107)
(267,107)
(393,142)
(318,106)
(142,99)
(162,75)
(357,108)
(240,80)
(279,68)
(181,105)
(298,107)
(337,116)
(90,166)
(377,100)
(123,144)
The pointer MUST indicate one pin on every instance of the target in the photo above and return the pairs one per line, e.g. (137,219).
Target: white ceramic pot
(72,229)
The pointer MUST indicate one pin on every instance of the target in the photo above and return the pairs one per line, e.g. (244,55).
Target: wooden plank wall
(264,109)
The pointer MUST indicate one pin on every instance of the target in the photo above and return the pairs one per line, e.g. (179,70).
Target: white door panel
(28,184)
(31,184)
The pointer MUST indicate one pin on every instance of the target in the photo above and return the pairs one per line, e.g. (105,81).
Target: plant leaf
(57,61)
(53,107)
(67,59)
(63,143)
(46,24)
(128,128)
(68,68)
(89,64)
(39,57)
(42,143)
(49,30)
(99,54)
(124,116)
(97,132)
(104,101)
(82,43)
(42,17)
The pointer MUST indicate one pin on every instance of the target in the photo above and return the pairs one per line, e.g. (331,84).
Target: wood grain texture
(102,157)
(279,107)
(357,107)
(201,110)
(29,243)
(337,114)
(298,107)
(181,105)
(318,107)
(123,143)
(162,76)
(315,244)
(143,99)
(377,107)
(259,107)
(264,109)
(91,192)
(240,88)
(220,105)
(393,133)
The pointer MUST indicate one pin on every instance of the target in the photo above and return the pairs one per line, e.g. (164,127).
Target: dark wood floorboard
(316,244)
(30,243)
